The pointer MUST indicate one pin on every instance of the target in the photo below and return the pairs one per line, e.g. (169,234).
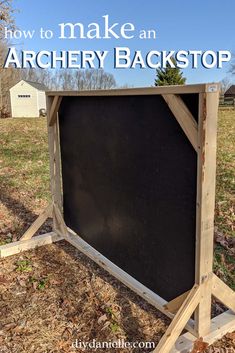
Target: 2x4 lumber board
(174,305)
(122,276)
(180,89)
(37,223)
(184,117)
(220,326)
(23,245)
(223,293)
(178,323)
(54,109)
(51,146)
(57,162)
(206,174)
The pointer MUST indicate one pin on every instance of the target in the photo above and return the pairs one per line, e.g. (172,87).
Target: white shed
(27,98)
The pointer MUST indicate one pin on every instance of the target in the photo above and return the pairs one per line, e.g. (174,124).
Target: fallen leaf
(102,318)
(199,346)
(55,282)
(3,280)
(62,344)
(227,242)
(22,282)
(107,324)
(10,326)
(231,336)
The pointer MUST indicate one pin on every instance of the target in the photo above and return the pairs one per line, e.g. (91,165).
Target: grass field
(24,174)
(24,183)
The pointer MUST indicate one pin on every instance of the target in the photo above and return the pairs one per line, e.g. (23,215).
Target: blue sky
(180,25)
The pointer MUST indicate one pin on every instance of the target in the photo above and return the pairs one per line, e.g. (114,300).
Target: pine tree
(169,76)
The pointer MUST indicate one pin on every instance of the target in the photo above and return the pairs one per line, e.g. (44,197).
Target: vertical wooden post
(207,131)
(54,155)
(58,177)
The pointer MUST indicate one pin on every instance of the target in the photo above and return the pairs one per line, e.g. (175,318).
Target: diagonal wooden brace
(180,320)
(223,293)
(184,117)
(47,213)
(174,305)
(54,109)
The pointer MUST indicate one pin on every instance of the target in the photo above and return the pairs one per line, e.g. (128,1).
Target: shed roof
(231,90)
(37,85)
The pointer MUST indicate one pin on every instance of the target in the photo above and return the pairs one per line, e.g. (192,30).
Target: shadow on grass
(22,213)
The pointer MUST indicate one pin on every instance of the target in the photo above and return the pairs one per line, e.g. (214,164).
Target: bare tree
(224,85)
(6,76)
(232,66)
(82,80)
(37,75)
(6,16)
(63,80)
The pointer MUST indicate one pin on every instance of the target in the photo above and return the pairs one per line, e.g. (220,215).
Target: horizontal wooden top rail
(182,89)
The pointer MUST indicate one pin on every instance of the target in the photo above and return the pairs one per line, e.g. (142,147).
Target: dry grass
(24,175)
(54,295)
(225,187)
(224,263)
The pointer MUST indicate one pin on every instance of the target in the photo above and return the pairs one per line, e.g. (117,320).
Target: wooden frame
(197,301)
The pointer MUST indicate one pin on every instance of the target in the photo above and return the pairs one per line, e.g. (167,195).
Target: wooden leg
(24,245)
(180,320)
(206,172)
(220,325)
(203,312)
